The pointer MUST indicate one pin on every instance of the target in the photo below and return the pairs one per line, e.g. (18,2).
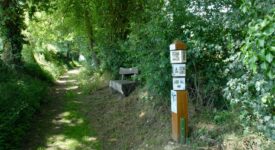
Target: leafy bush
(252,90)
(43,63)
(32,67)
(147,46)
(21,96)
(23,91)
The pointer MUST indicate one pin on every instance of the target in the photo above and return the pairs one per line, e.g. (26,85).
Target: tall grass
(91,80)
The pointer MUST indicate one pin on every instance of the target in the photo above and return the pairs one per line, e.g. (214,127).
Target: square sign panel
(178,83)
(178,56)
(178,70)
(174,101)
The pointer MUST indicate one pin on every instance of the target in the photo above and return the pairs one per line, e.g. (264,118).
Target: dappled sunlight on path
(62,125)
(75,71)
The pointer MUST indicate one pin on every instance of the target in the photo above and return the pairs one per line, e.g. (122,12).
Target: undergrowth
(135,122)
(43,65)
(221,129)
(91,80)
(22,92)
(21,96)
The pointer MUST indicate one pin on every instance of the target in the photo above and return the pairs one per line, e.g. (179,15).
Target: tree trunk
(12,24)
(90,33)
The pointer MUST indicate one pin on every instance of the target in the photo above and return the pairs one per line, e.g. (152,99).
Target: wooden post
(181,112)
(179,94)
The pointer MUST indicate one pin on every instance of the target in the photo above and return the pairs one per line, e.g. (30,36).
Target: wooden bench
(125,87)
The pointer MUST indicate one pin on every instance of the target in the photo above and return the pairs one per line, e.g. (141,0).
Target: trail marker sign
(178,83)
(178,70)
(174,101)
(179,94)
(178,56)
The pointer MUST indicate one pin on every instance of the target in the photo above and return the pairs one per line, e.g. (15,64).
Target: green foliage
(223,117)
(33,68)
(51,49)
(230,48)
(23,90)
(205,36)
(21,96)
(150,34)
(252,97)
(259,50)
(215,32)
(92,80)
(149,46)
(11,24)
(251,86)
(145,46)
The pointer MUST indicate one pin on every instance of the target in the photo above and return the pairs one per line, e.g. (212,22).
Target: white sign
(178,83)
(178,70)
(174,101)
(178,56)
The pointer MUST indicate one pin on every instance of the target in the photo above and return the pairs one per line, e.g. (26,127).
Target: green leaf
(264,65)
(270,74)
(253,59)
(261,42)
(264,23)
(269,57)
(269,31)
(253,66)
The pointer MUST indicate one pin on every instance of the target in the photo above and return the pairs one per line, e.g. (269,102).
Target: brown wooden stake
(182,112)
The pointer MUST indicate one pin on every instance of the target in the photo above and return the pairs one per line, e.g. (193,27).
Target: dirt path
(68,119)
(60,124)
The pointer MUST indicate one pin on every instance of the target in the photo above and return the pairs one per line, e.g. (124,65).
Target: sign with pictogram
(174,101)
(179,94)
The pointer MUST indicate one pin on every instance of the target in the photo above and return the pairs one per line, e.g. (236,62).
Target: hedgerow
(21,96)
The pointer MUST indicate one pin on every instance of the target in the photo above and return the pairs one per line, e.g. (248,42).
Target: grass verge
(74,130)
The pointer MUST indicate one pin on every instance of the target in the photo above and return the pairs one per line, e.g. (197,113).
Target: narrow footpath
(61,123)
(71,119)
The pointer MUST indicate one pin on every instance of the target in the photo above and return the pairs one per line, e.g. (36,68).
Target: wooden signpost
(179,94)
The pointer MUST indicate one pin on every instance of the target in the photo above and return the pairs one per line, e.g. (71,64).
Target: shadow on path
(60,124)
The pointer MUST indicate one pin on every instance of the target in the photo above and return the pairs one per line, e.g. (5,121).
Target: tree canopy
(231,53)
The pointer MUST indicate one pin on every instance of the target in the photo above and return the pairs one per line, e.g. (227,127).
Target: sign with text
(178,56)
(178,70)
(174,101)
(178,83)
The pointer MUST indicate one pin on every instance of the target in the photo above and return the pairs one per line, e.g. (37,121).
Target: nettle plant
(254,91)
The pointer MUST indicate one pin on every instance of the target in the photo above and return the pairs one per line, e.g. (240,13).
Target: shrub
(251,92)
(43,64)
(21,96)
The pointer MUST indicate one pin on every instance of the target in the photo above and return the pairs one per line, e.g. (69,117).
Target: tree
(11,24)
(80,17)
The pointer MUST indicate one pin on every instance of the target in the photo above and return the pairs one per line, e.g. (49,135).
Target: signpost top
(178,45)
